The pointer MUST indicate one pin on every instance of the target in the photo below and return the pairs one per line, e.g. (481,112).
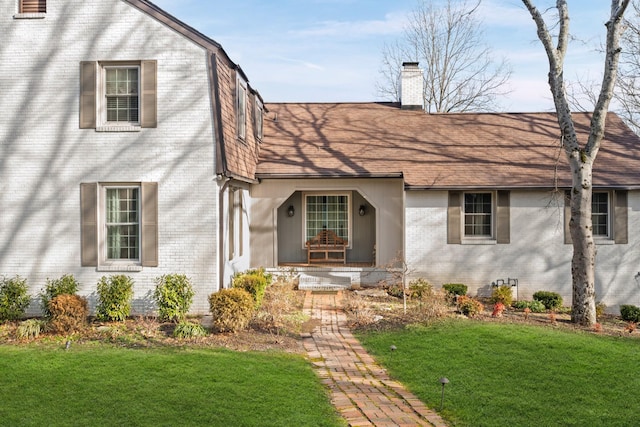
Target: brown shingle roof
(436,150)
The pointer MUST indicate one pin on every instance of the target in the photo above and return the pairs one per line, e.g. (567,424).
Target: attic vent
(33,6)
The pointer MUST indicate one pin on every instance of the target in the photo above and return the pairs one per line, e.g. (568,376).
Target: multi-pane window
(259,119)
(241,108)
(327,212)
(477,215)
(600,214)
(122,221)
(122,94)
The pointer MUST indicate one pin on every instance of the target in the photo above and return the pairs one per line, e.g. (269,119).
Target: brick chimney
(411,87)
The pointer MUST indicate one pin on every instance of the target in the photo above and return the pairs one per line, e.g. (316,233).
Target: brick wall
(44,156)
(536,256)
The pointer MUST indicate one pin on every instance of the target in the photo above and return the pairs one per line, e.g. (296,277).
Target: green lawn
(514,375)
(100,385)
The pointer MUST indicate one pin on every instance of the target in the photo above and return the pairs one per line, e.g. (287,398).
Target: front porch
(334,276)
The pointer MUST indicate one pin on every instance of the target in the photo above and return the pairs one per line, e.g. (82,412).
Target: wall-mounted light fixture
(362,211)
(291,211)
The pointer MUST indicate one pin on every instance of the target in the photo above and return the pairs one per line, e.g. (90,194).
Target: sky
(330,50)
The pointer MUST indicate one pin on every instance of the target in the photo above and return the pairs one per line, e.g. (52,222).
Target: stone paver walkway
(360,389)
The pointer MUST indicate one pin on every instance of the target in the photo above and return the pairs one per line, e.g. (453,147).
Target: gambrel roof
(455,150)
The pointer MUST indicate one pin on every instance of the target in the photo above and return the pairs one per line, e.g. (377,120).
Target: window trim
(37,14)
(103,105)
(609,234)
(103,256)
(471,239)
(349,197)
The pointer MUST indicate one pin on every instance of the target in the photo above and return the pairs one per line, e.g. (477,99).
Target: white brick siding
(536,256)
(44,156)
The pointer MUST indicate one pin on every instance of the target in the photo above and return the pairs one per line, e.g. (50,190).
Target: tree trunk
(584,249)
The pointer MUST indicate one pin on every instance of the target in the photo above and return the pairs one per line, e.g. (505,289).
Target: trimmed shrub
(455,288)
(630,313)
(13,298)
(253,281)
(114,297)
(502,294)
(420,289)
(534,306)
(231,309)
(173,295)
(66,284)
(189,330)
(30,328)
(469,306)
(68,313)
(551,300)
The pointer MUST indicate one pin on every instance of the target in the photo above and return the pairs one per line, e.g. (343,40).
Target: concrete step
(323,282)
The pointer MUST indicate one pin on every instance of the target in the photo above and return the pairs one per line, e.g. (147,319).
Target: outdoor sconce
(291,211)
(362,210)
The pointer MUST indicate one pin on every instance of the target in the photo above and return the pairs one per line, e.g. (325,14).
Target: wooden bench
(328,246)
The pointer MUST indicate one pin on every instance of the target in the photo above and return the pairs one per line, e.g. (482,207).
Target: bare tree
(628,85)
(460,73)
(581,155)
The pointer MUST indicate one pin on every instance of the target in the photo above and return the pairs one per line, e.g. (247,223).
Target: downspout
(222,178)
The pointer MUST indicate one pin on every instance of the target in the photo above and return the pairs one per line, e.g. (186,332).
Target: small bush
(455,288)
(66,284)
(231,309)
(30,328)
(173,295)
(630,313)
(551,300)
(420,289)
(601,309)
(13,298)
(255,282)
(189,330)
(114,297)
(502,294)
(395,291)
(68,313)
(469,306)
(533,306)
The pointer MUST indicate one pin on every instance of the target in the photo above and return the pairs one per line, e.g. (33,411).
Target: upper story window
(600,215)
(31,9)
(118,96)
(33,6)
(241,108)
(259,118)
(478,215)
(122,94)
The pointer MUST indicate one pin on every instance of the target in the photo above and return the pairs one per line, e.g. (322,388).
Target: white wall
(536,256)
(44,156)
(384,195)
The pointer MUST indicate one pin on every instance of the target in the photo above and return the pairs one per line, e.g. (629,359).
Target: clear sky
(330,50)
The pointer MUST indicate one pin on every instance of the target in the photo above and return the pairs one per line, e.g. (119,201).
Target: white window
(478,215)
(259,118)
(241,108)
(327,212)
(600,217)
(122,223)
(121,93)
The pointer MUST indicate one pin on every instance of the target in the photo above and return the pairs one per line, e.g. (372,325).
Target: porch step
(320,282)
